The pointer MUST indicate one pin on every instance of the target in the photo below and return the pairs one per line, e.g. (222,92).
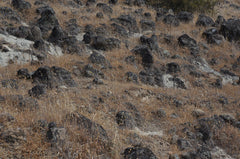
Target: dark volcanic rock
(9,14)
(144,52)
(113,1)
(92,128)
(147,25)
(102,43)
(151,42)
(57,36)
(231,29)
(60,38)
(178,83)
(44,8)
(49,134)
(228,118)
(147,15)
(89,28)
(189,155)
(90,2)
(185,16)
(186,41)
(23,73)
(37,90)
(99,15)
(13,136)
(102,30)
(212,36)
(218,83)
(223,100)
(105,8)
(204,20)
(20,32)
(204,153)
(129,22)
(53,77)
(44,75)
(151,76)
(72,28)
(35,34)
(171,20)
(21,5)
(98,58)
(135,2)
(227,72)
(78,2)
(119,29)
(96,80)
(63,76)
(124,119)
(55,134)
(155,76)
(48,20)
(40,45)
(208,125)
(88,36)
(219,21)
(173,67)
(161,12)
(132,77)
(138,153)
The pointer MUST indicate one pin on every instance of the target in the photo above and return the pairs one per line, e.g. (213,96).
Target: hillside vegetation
(120,79)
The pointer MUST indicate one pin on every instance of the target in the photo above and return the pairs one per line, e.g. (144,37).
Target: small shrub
(185,5)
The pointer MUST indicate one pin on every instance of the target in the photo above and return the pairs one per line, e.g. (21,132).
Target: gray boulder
(204,20)
(105,8)
(105,44)
(231,29)
(124,119)
(9,14)
(186,41)
(119,30)
(212,36)
(53,77)
(48,20)
(129,22)
(21,5)
(131,77)
(184,16)
(37,90)
(147,25)
(171,20)
(138,153)
(145,54)
(96,131)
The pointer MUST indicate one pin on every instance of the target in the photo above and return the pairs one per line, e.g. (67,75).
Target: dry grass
(228,138)
(57,103)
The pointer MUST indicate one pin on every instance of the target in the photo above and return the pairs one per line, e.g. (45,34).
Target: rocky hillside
(118,80)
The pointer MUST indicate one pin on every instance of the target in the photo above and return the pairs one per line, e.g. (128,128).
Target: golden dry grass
(57,103)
